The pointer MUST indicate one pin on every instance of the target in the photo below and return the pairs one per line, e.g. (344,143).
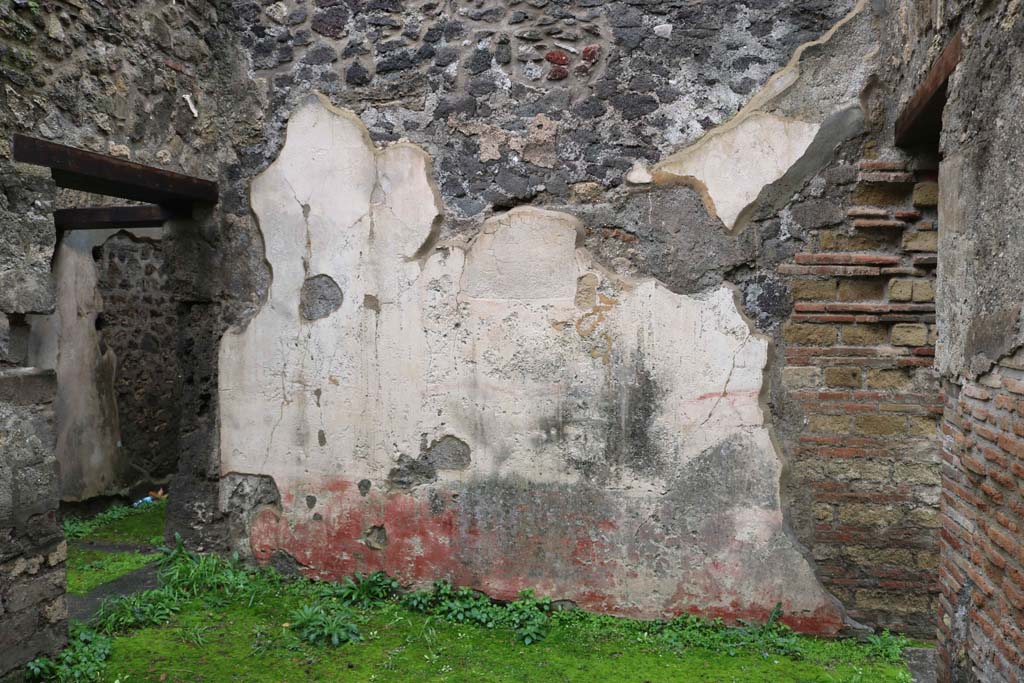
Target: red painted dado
(589,559)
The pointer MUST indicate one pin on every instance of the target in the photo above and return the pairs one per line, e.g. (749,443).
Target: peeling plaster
(734,162)
(597,410)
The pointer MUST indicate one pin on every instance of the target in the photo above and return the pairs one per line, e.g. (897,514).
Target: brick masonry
(981,625)
(857,352)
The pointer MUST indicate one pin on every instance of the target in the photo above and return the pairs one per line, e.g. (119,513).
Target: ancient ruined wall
(139,324)
(388,409)
(33,614)
(979,297)
(110,77)
(465,409)
(129,79)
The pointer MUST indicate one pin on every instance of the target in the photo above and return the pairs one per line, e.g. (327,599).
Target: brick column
(981,619)
(858,352)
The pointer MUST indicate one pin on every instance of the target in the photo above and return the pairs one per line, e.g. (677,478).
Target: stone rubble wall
(33,611)
(109,77)
(133,80)
(765,189)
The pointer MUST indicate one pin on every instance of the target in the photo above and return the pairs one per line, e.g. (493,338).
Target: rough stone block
(848,376)
(924,291)
(909,334)
(828,424)
(926,194)
(901,290)
(814,290)
(864,335)
(865,555)
(895,379)
(921,425)
(891,601)
(861,290)
(921,241)
(879,425)
(807,334)
(797,377)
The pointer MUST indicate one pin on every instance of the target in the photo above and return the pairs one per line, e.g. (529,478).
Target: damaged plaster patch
(731,168)
(733,163)
(554,407)
(448,453)
(320,296)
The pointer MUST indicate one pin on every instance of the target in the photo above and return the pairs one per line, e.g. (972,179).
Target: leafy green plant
(195,634)
(364,592)
(82,661)
(887,647)
(418,601)
(529,617)
(319,626)
(149,608)
(466,605)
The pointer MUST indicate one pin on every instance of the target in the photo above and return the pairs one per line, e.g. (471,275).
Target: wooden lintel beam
(113,217)
(77,169)
(921,118)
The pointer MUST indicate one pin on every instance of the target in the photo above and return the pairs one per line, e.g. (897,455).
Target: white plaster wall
(554,373)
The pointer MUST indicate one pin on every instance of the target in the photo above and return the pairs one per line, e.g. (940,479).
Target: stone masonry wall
(860,400)
(110,77)
(130,79)
(139,318)
(33,612)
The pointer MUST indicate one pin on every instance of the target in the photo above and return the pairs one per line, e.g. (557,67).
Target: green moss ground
(145,526)
(88,569)
(238,642)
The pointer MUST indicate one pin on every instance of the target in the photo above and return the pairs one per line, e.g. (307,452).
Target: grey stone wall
(33,612)
(134,80)
(139,323)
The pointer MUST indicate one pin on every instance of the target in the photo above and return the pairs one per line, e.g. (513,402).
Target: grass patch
(88,569)
(121,524)
(216,620)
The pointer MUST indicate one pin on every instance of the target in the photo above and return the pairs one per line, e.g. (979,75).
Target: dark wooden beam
(113,217)
(77,169)
(920,122)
